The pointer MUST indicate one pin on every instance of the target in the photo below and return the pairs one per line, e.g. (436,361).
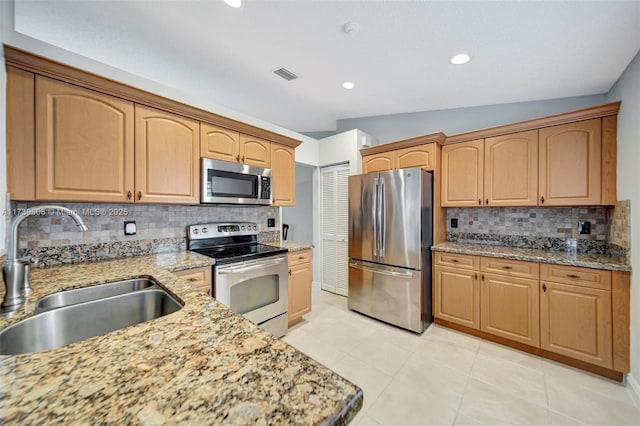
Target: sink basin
(69,324)
(86,294)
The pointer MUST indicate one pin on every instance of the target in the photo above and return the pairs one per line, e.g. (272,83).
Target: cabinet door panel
(283,172)
(377,162)
(457,296)
(84,144)
(255,152)
(219,143)
(510,308)
(167,154)
(576,322)
(570,164)
(462,174)
(21,137)
(511,170)
(417,156)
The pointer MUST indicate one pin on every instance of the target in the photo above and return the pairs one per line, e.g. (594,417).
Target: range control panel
(222,229)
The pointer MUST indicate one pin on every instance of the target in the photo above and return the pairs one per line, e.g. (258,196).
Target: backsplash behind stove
(160,228)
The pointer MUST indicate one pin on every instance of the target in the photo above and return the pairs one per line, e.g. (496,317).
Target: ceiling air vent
(285,73)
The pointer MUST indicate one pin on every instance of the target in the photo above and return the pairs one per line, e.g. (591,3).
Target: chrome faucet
(16,270)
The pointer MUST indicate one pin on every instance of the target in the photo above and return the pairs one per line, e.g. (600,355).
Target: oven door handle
(241,269)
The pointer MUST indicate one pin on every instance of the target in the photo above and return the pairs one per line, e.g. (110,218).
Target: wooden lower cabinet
(510,307)
(200,278)
(576,322)
(457,296)
(575,315)
(300,279)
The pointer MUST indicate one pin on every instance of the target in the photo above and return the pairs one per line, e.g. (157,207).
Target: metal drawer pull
(455,260)
(507,267)
(573,276)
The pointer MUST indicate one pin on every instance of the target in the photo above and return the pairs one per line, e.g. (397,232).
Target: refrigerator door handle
(374,217)
(406,274)
(383,218)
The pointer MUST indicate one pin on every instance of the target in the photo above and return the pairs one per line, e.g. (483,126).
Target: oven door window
(231,185)
(254,293)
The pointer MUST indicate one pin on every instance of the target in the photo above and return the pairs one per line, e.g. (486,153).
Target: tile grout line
(466,386)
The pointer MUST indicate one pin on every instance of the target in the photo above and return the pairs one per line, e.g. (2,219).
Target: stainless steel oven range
(248,277)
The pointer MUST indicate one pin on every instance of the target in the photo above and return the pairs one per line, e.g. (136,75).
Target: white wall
(344,147)
(300,217)
(627,89)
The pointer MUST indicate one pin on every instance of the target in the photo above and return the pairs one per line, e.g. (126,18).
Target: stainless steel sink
(86,294)
(69,324)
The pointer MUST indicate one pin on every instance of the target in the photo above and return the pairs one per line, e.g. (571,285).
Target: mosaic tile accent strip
(160,228)
(541,222)
(620,228)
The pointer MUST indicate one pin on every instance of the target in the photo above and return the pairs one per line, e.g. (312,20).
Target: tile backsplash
(546,222)
(154,222)
(620,229)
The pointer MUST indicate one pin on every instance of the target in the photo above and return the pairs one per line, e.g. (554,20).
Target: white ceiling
(521,51)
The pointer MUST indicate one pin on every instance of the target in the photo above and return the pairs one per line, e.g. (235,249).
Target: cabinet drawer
(512,268)
(462,261)
(199,277)
(298,257)
(585,277)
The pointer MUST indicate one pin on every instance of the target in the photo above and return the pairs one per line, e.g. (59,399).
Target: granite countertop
(290,245)
(597,261)
(201,365)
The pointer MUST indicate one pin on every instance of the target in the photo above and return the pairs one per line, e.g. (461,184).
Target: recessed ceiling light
(348,85)
(234,3)
(460,58)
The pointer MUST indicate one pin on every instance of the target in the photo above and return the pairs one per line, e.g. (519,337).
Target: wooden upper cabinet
(21,142)
(255,152)
(511,170)
(377,162)
(283,175)
(84,144)
(570,164)
(167,157)
(462,174)
(219,143)
(416,156)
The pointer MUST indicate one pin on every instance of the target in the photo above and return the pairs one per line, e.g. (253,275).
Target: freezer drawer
(395,295)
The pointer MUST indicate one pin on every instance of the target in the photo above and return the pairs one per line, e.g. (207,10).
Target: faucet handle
(29,260)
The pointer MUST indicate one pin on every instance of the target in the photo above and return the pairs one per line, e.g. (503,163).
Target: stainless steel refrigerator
(390,235)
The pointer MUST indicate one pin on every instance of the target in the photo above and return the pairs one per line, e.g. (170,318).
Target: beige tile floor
(448,378)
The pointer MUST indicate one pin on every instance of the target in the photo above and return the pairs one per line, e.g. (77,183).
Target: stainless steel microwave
(224,182)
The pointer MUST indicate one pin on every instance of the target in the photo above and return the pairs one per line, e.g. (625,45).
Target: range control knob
(205,230)
(196,231)
(242,227)
(255,227)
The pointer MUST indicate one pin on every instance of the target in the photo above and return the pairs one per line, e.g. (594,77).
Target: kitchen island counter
(201,365)
(597,261)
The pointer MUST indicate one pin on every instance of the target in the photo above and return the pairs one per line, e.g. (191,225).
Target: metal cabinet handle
(573,276)
(243,158)
(139,195)
(455,260)
(289,271)
(238,158)
(507,268)
(129,195)
(482,277)
(475,276)
(544,288)
(479,201)
(486,201)
(542,200)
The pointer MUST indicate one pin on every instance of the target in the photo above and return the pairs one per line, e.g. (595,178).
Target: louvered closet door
(334,184)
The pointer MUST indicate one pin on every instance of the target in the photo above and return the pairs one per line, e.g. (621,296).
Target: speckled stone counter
(598,261)
(201,365)
(291,246)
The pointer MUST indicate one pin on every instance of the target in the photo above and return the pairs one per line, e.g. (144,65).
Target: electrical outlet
(271,222)
(130,228)
(584,227)
(454,223)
